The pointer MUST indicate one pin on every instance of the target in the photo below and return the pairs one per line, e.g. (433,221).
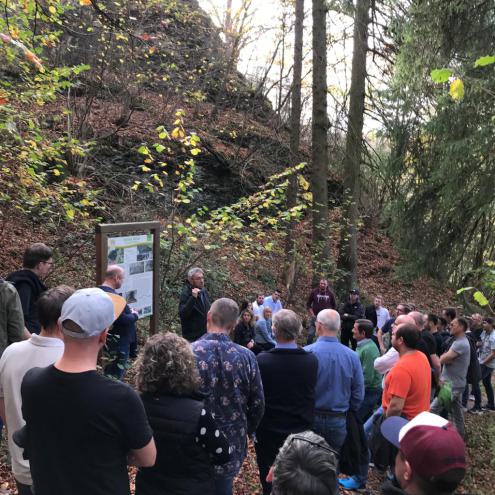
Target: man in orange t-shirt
(408,384)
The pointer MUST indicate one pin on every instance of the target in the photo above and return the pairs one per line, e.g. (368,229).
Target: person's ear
(102,339)
(407,471)
(269,476)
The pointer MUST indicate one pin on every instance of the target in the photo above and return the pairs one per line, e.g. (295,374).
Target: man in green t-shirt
(367,351)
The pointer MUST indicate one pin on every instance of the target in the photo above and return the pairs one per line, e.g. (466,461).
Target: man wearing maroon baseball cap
(431,458)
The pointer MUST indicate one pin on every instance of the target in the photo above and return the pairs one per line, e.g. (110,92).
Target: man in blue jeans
(339,383)
(123,330)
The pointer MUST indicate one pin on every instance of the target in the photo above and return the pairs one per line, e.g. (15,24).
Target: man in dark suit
(194,305)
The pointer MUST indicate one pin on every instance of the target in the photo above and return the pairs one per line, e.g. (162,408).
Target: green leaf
(480,298)
(143,150)
(484,61)
(159,148)
(440,75)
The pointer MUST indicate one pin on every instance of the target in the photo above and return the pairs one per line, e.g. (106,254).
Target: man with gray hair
(340,380)
(231,382)
(194,305)
(305,465)
(288,374)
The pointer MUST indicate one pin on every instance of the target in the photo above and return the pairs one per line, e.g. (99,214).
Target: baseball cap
(93,310)
(430,443)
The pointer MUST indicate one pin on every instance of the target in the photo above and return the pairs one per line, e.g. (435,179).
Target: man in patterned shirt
(230,378)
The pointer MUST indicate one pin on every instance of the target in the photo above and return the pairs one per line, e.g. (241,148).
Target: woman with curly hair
(244,330)
(187,439)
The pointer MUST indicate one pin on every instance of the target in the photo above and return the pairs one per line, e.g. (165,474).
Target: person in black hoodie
(288,374)
(187,438)
(351,311)
(37,264)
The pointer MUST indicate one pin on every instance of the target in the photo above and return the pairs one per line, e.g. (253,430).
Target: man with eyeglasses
(37,264)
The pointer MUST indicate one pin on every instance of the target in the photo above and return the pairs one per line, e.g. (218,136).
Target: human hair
(244,305)
(36,253)
(286,325)
(409,333)
(267,310)
(407,308)
(365,326)
(224,313)
(433,318)
(463,322)
(251,316)
(442,321)
(112,271)
(490,320)
(305,465)
(450,312)
(49,305)
(330,319)
(419,319)
(167,365)
(192,271)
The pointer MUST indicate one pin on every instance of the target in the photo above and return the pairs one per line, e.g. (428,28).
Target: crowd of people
(367,389)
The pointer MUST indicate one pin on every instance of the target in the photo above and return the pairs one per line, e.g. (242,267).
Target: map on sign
(134,254)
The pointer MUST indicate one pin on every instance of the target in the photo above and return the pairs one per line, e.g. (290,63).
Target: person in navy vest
(188,440)
(194,305)
(288,374)
(123,330)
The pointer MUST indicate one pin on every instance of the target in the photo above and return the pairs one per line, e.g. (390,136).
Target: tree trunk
(295,136)
(353,148)
(319,152)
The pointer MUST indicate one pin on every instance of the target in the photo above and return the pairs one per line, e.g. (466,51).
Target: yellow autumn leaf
(84,2)
(56,172)
(52,9)
(144,168)
(456,90)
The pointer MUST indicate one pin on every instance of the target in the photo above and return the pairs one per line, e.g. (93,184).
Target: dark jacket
(354,452)
(182,466)
(192,312)
(370,314)
(318,301)
(243,334)
(125,324)
(29,288)
(289,380)
(389,488)
(353,311)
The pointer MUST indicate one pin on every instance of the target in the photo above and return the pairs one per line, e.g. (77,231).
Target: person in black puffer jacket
(187,439)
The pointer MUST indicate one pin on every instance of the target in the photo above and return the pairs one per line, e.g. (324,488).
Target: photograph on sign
(134,254)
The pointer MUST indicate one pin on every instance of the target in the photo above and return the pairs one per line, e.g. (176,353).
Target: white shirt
(258,310)
(382,315)
(17,359)
(385,363)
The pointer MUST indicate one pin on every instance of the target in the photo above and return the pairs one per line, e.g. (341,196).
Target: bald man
(123,330)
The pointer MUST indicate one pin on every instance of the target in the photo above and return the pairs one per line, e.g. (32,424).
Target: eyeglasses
(315,444)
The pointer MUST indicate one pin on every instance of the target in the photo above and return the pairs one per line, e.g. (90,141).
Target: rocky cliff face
(147,59)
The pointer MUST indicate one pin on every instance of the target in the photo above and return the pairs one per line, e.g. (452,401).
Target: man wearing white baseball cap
(431,458)
(82,429)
